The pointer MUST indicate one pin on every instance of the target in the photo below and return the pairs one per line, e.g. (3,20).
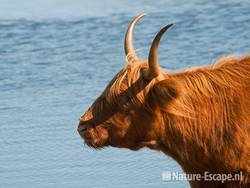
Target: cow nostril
(82,128)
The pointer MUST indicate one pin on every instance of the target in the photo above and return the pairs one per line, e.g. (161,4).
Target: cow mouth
(95,137)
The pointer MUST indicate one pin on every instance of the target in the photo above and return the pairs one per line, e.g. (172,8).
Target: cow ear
(163,92)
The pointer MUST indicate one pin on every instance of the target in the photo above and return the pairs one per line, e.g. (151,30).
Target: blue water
(56,58)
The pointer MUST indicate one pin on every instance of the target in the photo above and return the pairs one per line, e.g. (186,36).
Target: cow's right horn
(153,65)
(128,42)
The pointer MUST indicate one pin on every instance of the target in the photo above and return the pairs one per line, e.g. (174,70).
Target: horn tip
(143,14)
(170,24)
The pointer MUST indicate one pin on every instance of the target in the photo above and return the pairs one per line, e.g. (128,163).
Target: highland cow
(200,117)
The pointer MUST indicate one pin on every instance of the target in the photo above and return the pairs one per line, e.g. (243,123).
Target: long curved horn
(128,42)
(153,65)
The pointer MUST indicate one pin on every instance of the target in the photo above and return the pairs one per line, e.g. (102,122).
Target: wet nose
(82,127)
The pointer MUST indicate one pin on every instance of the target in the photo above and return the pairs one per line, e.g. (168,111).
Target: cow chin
(96,137)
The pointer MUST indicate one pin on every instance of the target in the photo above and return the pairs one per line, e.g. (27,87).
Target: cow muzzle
(83,127)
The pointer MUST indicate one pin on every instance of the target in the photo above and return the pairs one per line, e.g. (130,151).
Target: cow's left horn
(128,42)
(153,65)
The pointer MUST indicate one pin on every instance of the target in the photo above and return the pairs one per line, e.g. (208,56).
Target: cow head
(127,113)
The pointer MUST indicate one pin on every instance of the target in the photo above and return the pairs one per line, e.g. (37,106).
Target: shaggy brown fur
(199,117)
